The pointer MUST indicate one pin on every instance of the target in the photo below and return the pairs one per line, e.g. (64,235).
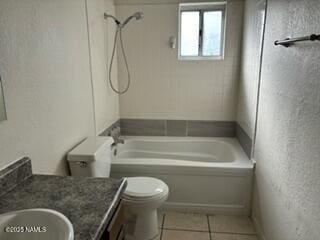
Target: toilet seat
(145,189)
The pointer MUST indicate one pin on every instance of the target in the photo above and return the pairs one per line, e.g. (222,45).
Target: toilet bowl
(142,198)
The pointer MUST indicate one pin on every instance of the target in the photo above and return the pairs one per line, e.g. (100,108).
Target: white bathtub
(204,174)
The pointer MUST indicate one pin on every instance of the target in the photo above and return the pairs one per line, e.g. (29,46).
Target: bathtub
(211,175)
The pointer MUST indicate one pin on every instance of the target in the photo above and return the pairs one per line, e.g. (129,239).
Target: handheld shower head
(137,16)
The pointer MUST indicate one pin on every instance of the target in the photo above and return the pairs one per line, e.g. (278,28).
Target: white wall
(287,148)
(47,82)
(101,43)
(165,88)
(254,11)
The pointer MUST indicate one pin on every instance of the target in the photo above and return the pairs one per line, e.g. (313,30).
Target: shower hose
(119,33)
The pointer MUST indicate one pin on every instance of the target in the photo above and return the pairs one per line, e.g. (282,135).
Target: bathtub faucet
(117,141)
(115,134)
(114,145)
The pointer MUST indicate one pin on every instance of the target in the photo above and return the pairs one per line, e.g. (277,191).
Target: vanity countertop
(89,203)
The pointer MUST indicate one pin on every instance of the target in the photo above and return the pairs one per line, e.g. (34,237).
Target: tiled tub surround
(203,174)
(89,203)
(112,130)
(181,128)
(165,87)
(244,140)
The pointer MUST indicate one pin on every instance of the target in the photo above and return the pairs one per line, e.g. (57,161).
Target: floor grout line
(185,230)
(235,233)
(209,226)
(162,225)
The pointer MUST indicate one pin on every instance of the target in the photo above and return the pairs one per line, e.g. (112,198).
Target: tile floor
(189,226)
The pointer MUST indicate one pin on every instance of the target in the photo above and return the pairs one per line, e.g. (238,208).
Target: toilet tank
(91,158)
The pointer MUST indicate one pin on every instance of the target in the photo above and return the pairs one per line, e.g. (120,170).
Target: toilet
(142,197)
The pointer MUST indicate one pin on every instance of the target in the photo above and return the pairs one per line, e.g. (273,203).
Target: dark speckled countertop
(89,203)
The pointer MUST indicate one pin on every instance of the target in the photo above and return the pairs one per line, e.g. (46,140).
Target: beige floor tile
(228,236)
(157,238)
(231,224)
(184,235)
(186,221)
(160,219)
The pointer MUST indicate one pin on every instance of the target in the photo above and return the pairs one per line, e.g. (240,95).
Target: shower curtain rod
(289,41)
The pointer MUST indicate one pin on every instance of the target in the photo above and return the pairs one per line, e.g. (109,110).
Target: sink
(35,224)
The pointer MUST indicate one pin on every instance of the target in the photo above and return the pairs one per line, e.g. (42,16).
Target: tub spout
(117,141)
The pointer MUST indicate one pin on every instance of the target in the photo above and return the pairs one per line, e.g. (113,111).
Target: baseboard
(258,228)
(206,208)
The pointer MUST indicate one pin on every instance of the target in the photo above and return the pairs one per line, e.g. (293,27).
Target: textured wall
(101,43)
(287,150)
(45,67)
(250,64)
(164,87)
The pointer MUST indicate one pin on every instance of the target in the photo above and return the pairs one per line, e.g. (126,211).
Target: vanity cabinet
(115,229)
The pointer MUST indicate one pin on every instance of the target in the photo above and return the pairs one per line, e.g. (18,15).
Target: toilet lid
(145,187)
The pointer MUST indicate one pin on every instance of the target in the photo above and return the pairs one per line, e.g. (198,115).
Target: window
(201,31)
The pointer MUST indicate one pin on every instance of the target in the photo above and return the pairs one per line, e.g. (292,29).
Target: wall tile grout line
(187,126)
(165,127)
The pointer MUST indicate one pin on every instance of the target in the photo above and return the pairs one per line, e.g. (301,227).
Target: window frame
(201,8)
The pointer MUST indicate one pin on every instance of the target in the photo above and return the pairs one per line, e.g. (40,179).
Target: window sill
(215,58)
